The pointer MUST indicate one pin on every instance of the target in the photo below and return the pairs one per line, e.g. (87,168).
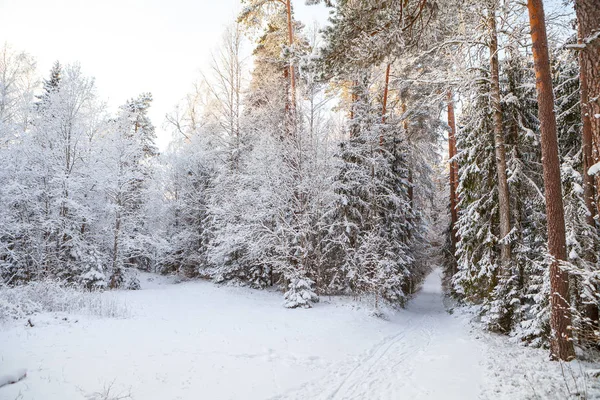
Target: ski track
(404,365)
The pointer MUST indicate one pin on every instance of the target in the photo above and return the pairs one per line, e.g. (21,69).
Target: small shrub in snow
(109,393)
(300,294)
(49,296)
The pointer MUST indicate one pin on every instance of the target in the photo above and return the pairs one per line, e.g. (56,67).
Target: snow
(429,355)
(14,377)
(594,169)
(515,372)
(198,340)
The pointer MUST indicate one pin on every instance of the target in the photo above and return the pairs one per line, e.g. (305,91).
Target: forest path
(432,356)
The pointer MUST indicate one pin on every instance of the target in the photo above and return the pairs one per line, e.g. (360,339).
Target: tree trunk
(290,26)
(411,186)
(503,194)
(411,199)
(353,100)
(116,271)
(588,16)
(561,344)
(453,178)
(385,100)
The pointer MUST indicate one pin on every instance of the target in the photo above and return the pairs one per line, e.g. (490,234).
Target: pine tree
(519,292)
(373,212)
(453,182)
(503,190)
(588,17)
(478,260)
(560,320)
(582,234)
(257,12)
(129,147)
(50,85)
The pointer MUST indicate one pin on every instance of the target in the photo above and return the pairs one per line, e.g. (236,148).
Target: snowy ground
(196,340)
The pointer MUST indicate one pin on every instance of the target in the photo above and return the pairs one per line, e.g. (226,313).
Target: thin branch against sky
(129,46)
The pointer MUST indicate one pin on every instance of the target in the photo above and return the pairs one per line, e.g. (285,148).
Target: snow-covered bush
(300,293)
(49,296)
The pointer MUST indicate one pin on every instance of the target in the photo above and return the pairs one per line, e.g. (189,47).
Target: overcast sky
(129,46)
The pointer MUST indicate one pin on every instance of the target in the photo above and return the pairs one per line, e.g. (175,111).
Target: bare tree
(225,82)
(17,85)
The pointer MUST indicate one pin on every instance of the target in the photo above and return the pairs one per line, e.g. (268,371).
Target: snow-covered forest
(409,194)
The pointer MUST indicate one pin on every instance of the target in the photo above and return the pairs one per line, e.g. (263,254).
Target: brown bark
(588,16)
(353,100)
(290,27)
(385,93)
(411,199)
(385,100)
(561,344)
(503,193)
(453,178)
(586,146)
(410,174)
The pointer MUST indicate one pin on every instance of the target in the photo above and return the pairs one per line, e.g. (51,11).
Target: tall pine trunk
(561,344)
(290,27)
(353,101)
(588,16)
(586,144)
(503,194)
(411,186)
(385,100)
(453,179)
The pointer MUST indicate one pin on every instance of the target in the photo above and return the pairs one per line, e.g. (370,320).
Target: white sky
(128,46)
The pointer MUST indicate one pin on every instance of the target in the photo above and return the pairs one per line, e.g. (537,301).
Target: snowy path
(197,340)
(430,357)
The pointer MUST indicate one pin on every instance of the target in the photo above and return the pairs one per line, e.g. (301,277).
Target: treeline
(75,182)
(313,178)
(311,174)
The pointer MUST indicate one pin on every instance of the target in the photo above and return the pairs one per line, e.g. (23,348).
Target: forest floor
(196,340)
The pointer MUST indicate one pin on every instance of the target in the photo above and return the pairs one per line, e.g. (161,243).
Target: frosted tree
(51,186)
(128,148)
(478,261)
(17,85)
(223,113)
(190,171)
(371,226)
